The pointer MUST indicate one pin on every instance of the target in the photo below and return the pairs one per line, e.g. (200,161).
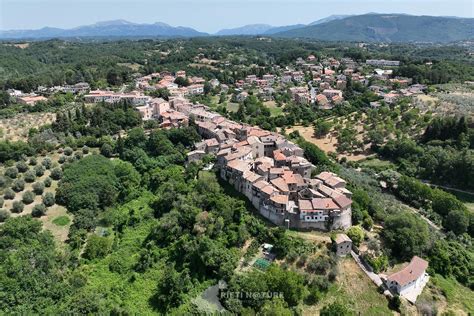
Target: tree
(457,221)
(4,215)
(171,288)
(29,176)
(97,247)
(11,172)
(49,199)
(406,235)
(106,150)
(38,210)
(356,234)
(47,163)
(17,207)
(56,174)
(336,309)
(322,128)
(68,151)
(47,182)
(9,194)
(38,188)
(22,166)
(28,197)
(18,185)
(182,81)
(35,270)
(39,170)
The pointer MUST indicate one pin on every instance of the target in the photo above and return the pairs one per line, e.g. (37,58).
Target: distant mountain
(388,28)
(371,27)
(119,28)
(251,29)
(278,29)
(329,19)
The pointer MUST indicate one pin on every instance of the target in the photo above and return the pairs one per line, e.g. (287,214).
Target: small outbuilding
(343,245)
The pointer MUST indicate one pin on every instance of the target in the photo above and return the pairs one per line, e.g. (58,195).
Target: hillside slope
(389,28)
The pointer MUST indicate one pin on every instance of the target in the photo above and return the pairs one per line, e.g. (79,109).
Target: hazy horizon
(208,15)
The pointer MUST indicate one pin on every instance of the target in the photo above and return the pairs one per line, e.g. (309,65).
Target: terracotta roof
(340,238)
(289,177)
(238,165)
(277,170)
(342,201)
(305,204)
(278,155)
(261,184)
(411,272)
(211,142)
(324,204)
(251,176)
(280,199)
(325,175)
(334,181)
(280,184)
(269,189)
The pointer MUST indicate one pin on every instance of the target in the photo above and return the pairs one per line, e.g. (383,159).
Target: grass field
(355,289)
(376,164)
(274,110)
(466,198)
(447,296)
(62,220)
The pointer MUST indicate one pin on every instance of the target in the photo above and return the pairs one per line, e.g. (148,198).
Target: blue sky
(208,15)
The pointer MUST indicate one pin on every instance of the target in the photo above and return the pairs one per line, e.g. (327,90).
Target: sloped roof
(411,272)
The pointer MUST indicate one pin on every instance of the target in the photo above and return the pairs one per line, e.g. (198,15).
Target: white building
(410,281)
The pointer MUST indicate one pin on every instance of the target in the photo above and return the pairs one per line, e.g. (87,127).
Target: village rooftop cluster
(269,170)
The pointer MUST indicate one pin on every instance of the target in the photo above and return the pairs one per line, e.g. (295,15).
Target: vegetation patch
(62,220)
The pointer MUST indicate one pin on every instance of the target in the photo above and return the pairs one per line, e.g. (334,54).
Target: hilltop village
(301,171)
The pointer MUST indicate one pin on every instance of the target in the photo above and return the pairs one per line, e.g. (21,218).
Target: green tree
(97,247)
(356,234)
(406,235)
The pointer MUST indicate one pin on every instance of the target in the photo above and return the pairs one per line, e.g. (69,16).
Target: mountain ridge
(121,28)
(371,27)
(377,27)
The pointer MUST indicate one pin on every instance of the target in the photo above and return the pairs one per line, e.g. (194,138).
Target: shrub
(49,199)
(61,220)
(29,176)
(28,197)
(22,166)
(85,150)
(1,201)
(356,234)
(106,150)
(4,215)
(38,210)
(97,247)
(78,155)
(17,207)
(18,185)
(38,188)
(33,161)
(11,172)
(9,194)
(68,151)
(62,159)
(47,162)
(47,182)
(39,170)
(3,181)
(56,173)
